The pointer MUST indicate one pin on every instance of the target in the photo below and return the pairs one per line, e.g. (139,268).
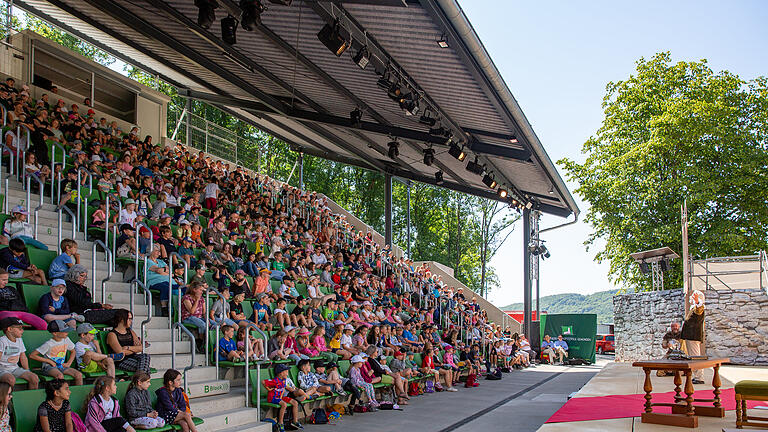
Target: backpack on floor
(505,369)
(318,416)
(413,389)
(429,387)
(360,409)
(494,376)
(470,380)
(389,406)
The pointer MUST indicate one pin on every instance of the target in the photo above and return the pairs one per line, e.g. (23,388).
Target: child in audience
(13,354)
(104,408)
(302,344)
(308,381)
(99,217)
(336,383)
(227,348)
(236,311)
(280,316)
(55,414)
(5,400)
(277,394)
(256,349)
(172,402)
(53,353)
(138,403)
(345,340)
(54,306)
(15,260)
(63,262)
(219,313)
(355,375)
(17,227)
(89,357)
(318,343)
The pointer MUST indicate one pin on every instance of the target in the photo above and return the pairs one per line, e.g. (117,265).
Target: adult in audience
(123,340)
(560,346)
(80,299)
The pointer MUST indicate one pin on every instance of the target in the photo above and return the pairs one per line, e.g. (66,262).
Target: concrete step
(164,346)
(205,373)
(234,418)
(213,405)
(206,388)
(161,362)
(156,323)
(138,307)
(248,427)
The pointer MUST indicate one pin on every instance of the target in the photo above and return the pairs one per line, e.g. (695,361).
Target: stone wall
(737,325)
(640,321)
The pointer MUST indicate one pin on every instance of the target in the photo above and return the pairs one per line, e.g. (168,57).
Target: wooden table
(684,413)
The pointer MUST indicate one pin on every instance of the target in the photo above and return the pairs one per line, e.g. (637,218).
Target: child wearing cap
(18,227)
(53,353)
(356,376)
(88,355)
(128,214)
(54,306)
(186,252)
(69,257)
(13,354)
(308,381)
(278,394)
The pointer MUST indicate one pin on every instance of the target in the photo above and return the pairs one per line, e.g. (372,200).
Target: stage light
(544,251)
(393,149)
(438,131)
(644,269)
(664,265)
(489,181)
(330,36)
(502,192)
(442,43)
(439,177)
(410,107)
(229,30)
(474,167)
(362,58)
(355,117)
(457,152)
(384,82)
(429,156)
(513,139)
(551,190)
(427,120)
(251,17)
(529,204)
(207,13)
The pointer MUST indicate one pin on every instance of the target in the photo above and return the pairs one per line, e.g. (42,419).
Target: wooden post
(648,387)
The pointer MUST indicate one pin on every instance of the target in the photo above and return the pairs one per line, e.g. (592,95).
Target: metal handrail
(109,259)
(151,245)
(148,297)
(85,201)
(192,350)
(114,226)
(6,177)
(170,288)
(24,149)
(59,210)
(54,184)
(29,191)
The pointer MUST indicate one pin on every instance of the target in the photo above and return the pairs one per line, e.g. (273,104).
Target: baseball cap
(356,359)
(349,327)
(59,326)
(10,322)
(281,368)
(86,328)
(165,216)
(338,322)
(126,226)
(130,201)
(19,209)
(57,282)
(289,328)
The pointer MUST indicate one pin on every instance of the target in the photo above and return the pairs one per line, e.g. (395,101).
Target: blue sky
(557,57)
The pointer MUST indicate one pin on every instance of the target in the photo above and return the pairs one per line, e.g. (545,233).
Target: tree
(497,223)
(674,132)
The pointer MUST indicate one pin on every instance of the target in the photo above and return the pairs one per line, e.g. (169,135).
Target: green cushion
(24,409)
(752,388)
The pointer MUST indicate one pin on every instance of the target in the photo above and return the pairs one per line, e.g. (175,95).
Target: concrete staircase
(220,405)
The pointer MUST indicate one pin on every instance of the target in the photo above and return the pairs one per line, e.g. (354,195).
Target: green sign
(578,330)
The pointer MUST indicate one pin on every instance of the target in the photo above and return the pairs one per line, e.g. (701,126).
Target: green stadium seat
(32,294)
(24,409)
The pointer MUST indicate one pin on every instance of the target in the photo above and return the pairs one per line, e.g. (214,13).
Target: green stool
(750,390)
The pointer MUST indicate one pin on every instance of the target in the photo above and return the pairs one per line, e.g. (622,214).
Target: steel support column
(301,171)
(526,272)
(186,120)
(388,209)
(408,222)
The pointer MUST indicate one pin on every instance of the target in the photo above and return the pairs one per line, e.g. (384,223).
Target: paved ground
(521,401)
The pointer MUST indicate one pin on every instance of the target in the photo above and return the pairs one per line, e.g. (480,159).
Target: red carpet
(620,406)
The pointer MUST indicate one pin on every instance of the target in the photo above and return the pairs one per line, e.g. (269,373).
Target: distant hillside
(600,303)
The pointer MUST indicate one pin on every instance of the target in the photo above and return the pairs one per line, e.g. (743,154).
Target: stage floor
(622,378)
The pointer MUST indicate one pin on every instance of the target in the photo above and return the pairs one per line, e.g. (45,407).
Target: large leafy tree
(676,132)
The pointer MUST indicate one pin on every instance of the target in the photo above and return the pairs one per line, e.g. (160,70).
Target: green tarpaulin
(578,330)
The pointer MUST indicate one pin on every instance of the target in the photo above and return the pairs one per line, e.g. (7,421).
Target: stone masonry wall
(640,321)
(737,325)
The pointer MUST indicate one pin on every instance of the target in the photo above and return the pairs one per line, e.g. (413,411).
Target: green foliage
(675,132)
(65,39)
(600,303)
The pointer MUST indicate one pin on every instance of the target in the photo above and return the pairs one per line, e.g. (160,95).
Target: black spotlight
(644,269)
(474,167)
(330,36)
(384,81)
(438,131)
(544,251)
(207,13)
(355,117)
(362,58)
(489,181)
(664,265)
(513,139)
(439,177)
(429,156)
(411,107)
(251,17)
(457,152)
(427,120)
(502,192)
(394,151)
(229,30)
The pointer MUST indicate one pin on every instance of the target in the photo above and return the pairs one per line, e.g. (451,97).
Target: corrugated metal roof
(306,96)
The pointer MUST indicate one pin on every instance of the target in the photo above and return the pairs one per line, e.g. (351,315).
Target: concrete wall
(640,321)
(737,325)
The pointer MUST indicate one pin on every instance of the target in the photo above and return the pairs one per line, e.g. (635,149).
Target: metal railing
(109,260)
(726,272)
(41,185)
(148,298)
(170,289)
(139,225)
(59,211)
(57,185)
(6,178)
(764,271)
(80,198)
(183,329)
(23,148)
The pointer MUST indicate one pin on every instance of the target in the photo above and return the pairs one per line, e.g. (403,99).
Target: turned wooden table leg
(648,387)
(678,382)
(738,411)
(716,384)
(689,393)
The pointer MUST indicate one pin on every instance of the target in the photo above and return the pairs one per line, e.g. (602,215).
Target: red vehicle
(604,344)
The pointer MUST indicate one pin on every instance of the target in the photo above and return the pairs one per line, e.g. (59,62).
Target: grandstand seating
(220,402)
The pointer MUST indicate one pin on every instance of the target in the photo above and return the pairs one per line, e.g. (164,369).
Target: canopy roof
(284,80)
